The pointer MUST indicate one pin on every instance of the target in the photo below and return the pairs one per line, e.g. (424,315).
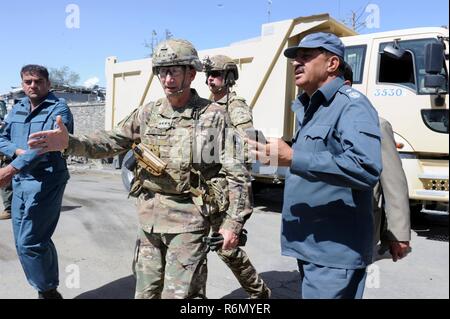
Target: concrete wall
(88,117)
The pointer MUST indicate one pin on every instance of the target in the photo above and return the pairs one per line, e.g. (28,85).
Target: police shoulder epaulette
(350,92)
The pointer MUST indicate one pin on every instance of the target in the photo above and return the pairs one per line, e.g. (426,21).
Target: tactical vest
(171,139)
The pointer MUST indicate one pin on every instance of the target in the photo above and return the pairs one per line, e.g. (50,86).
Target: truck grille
(434,184)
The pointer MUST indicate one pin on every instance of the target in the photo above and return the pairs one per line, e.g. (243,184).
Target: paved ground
(96,234)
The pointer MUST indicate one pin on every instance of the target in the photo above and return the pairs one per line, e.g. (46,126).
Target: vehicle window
(355,56)
(436,120)
(410,69)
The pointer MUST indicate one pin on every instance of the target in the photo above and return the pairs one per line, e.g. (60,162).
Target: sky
(81,34)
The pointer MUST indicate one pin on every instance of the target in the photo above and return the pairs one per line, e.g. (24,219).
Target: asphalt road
(97,230)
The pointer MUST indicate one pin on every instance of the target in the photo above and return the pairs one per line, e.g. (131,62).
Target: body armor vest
(171,138)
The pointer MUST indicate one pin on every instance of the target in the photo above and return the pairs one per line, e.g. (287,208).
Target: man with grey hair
(334,161)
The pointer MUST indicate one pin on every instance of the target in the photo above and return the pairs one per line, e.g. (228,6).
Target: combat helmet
(224,64)
(175,52)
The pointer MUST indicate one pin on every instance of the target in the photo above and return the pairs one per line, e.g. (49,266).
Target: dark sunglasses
(214,74)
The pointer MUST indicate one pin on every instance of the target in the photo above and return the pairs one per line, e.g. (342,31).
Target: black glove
(215,241)
(243,238)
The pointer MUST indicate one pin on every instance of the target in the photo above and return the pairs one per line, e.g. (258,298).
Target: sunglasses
(174,71)
(214,74)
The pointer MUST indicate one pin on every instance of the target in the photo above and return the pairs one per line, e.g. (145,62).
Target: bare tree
(169,34)
(63,76)
(357,19)
(154,40)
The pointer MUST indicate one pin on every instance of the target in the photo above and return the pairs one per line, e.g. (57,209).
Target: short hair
(348,72)
(35,70)
(342,63)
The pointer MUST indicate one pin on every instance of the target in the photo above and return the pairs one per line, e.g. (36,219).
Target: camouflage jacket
(184,143)
(241,118)
(239,112)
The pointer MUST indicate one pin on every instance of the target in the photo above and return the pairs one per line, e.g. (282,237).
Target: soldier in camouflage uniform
(171,257)
(221,75)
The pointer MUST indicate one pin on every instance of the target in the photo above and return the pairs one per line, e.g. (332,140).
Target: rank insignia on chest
(165,124)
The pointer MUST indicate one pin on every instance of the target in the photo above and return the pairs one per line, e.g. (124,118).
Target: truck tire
(127,175)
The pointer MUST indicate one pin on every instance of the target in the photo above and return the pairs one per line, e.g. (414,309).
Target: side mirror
(434,62)
(434,58)
(393,50)
(434,81)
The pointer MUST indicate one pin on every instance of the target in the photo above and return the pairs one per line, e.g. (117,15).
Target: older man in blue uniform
(38,180)
(335,161)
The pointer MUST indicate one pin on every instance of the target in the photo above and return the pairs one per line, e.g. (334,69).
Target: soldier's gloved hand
(214,242)
(243,237)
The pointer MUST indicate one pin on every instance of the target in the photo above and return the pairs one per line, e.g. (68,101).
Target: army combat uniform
(171,260)
(236,259)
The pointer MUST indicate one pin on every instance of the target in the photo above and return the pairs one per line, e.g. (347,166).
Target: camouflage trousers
(237,260)
(171,266)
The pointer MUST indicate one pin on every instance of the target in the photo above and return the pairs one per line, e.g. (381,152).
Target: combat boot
(6,214)
(50,294)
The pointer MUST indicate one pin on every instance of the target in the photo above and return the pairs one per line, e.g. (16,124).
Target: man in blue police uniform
(38,180)
(335,161)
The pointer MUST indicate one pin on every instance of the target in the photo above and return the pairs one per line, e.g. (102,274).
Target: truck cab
(404,73)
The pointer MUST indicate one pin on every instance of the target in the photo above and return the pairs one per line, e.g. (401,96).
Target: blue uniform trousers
(36,207)
(319,282)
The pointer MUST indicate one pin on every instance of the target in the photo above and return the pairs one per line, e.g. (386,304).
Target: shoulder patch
(354,95)
(350,92)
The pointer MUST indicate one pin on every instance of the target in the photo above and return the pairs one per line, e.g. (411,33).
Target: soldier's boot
(49,294)
(6,214)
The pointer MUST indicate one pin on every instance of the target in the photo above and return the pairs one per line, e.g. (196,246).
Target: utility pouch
(219,191)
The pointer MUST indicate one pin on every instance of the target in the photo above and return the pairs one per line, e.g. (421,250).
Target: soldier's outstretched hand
(52,140)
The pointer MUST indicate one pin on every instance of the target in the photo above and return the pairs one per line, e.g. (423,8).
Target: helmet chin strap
(221,89)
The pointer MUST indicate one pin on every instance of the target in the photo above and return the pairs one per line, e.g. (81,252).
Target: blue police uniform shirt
(20,123)
(327,211)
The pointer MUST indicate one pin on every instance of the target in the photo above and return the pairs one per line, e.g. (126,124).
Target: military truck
(403,72)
